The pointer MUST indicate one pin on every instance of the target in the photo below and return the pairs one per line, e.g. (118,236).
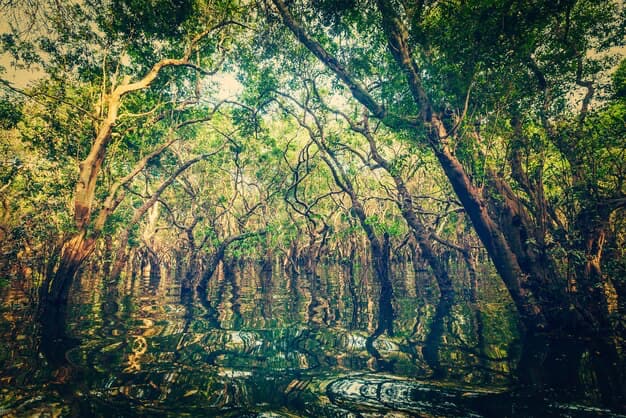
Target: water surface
(293,344)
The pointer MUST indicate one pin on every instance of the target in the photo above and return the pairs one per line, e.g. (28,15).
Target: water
(285,345)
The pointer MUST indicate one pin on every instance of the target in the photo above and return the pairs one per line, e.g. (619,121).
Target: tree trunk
(420,232)
(379,250)
(56,288)
(594,290)
(74,252)
(120,260)
(504,260)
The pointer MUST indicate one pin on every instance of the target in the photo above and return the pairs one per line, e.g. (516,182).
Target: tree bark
(422,236)
(380,250)
(75,252)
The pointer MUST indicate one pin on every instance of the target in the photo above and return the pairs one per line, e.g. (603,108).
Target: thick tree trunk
(593,289)
(488,231)
(75,251)
(504,260)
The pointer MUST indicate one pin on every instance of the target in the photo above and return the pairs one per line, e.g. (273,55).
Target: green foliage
(523,61)
(10,113)
(394,227)
(160,18)
(619,81)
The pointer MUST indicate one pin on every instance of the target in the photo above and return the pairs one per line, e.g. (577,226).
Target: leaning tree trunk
(504,259)
(422,235)
(380,250)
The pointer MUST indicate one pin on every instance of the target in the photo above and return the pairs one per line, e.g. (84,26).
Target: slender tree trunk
(420,232)
(121,254)
(379,250)
(354,319)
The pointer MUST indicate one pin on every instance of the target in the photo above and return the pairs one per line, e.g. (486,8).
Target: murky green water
(277,344)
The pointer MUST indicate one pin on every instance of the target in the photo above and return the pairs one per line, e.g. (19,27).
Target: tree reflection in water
(290,344)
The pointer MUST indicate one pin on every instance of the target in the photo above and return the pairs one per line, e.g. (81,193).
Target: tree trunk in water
(214,261)
(420,232)
(187,279)
(354,320)
(121,258)
(433,340)
(54,294)
(75,251)
(488,231)
(504,260)
(202,286)
(380,251)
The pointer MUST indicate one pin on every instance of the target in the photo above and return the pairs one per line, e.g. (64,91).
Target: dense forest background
(461,136)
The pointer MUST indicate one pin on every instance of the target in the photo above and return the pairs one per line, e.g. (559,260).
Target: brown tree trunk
(379,250)
(593,289)
(504,260)
(74,252)
(120,260)
(80,246)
